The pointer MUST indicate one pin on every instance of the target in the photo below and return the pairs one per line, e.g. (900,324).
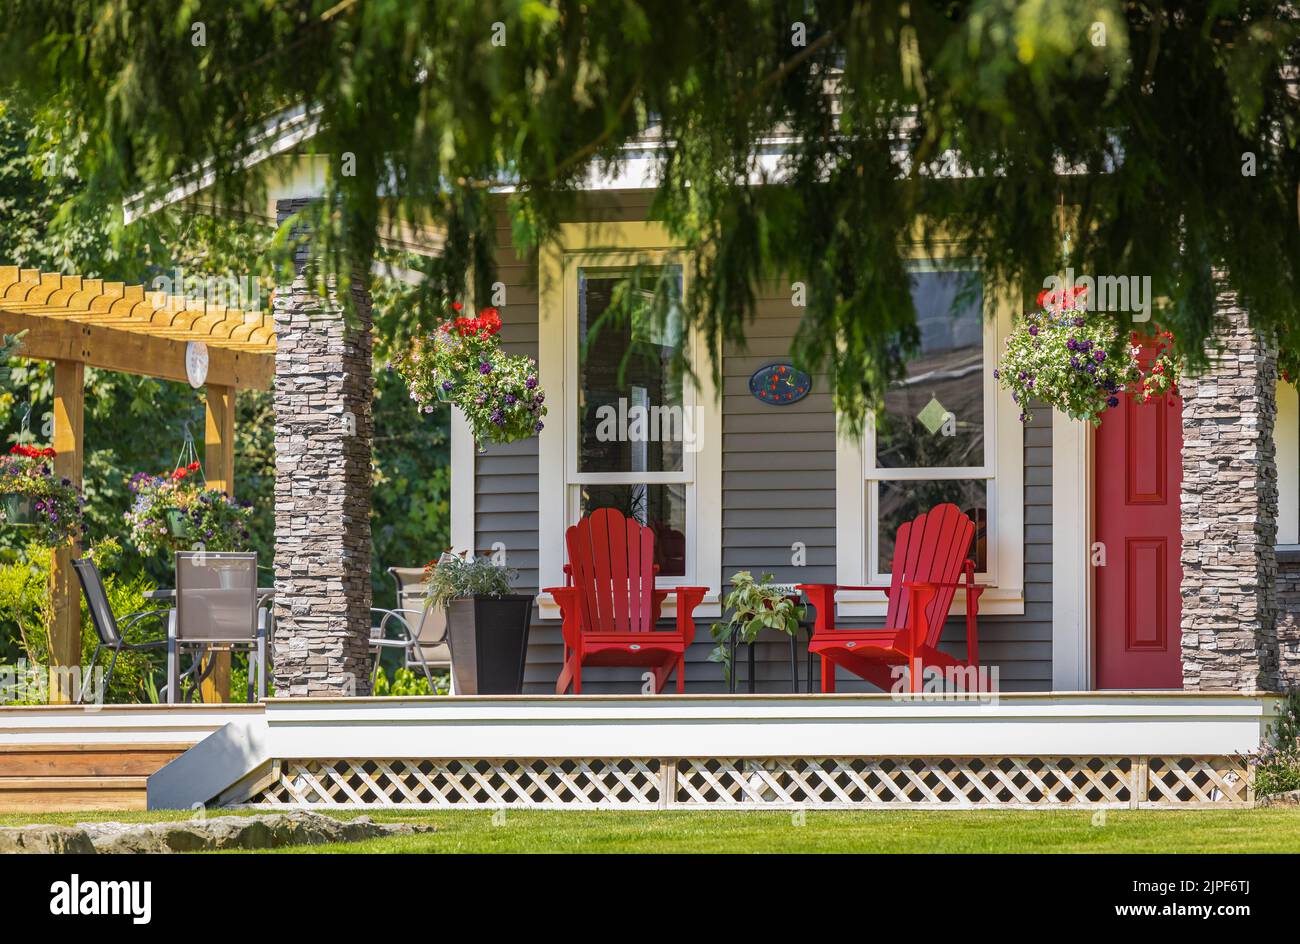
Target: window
(635,418)
(943,435)
(635,432)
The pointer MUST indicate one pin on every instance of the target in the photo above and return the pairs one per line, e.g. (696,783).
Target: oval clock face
(196,363)
(780,384)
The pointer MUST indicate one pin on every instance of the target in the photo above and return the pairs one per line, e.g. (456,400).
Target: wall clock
(196,363)
(780,384)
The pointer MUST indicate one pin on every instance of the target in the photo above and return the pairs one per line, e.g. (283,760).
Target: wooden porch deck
(1062,749)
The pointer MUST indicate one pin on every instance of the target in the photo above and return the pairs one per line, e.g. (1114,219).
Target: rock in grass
(45,839)
(271,831)
(1289,798)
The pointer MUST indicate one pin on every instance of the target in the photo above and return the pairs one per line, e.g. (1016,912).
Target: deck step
(54,778)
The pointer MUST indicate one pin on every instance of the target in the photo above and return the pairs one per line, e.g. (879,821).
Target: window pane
(900,502)
(934,417)
(630,409)
(661,507)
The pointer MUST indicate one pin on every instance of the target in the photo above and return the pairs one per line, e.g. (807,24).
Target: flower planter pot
(489,643)
(20,510)
(178,523)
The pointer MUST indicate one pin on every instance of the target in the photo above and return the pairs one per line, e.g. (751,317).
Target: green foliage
(405,682)
(1277,767)
(754,606)
(464,575)
(24,606)
(1175,121)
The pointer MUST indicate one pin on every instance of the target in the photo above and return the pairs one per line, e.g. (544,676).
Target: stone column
(1229,512)
(323,432)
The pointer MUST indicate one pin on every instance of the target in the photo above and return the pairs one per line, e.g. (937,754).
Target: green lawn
(831,831)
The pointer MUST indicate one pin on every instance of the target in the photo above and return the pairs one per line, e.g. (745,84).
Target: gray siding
(778,488)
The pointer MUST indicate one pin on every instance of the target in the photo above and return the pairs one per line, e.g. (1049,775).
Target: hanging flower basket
(1073,360)
(31,497)
(462,363)
(176,512)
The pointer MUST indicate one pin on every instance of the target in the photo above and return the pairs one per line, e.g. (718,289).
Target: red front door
(1137,477)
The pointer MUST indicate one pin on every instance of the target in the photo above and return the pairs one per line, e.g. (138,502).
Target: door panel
(1137,477)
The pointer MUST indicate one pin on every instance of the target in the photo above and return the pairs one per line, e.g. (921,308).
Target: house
(1160,550)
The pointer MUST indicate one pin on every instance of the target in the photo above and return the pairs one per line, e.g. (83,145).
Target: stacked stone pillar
(323,433)
(1229,512)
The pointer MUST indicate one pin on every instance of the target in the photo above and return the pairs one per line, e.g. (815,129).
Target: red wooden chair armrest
(688,598)
(566,598)
(822,597)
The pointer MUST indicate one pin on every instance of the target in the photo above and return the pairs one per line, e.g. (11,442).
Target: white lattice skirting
(844,783)
(1054,750)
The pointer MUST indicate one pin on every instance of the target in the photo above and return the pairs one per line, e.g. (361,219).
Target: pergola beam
(131,352)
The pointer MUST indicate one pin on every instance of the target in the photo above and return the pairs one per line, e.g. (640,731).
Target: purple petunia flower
(1074,362)
(539,427)
(531,382)
(1033,331)
(1090,368)
(1079,322)
(1072,344)
(497,417)
(510,399)
(995,373)
(1112,401)
(1099,356)
(448,386)
(485,368)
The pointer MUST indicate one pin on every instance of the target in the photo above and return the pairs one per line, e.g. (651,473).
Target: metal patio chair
(110,631)
(216,606)
(421,631)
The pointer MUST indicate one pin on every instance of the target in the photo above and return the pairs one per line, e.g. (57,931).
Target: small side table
(806,627)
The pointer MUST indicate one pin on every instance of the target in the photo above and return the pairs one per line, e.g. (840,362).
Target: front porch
(1139,750)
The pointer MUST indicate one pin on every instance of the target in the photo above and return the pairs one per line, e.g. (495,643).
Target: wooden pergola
(75,322)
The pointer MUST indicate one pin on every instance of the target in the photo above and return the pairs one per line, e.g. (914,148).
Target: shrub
(25,614)
(405,683)
(1277,768)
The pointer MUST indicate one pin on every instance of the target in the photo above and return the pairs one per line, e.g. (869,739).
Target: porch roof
(124,328)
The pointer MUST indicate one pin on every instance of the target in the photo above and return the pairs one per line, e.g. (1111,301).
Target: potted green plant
(487,625)
(30,496)
(754,606)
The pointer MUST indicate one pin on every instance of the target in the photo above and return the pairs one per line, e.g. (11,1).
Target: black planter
(489,643)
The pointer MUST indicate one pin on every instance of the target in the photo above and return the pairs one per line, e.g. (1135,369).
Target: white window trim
(1006,551)
(616,244)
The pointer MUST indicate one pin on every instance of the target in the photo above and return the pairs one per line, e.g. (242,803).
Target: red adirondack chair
(610,605)
(930,555)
